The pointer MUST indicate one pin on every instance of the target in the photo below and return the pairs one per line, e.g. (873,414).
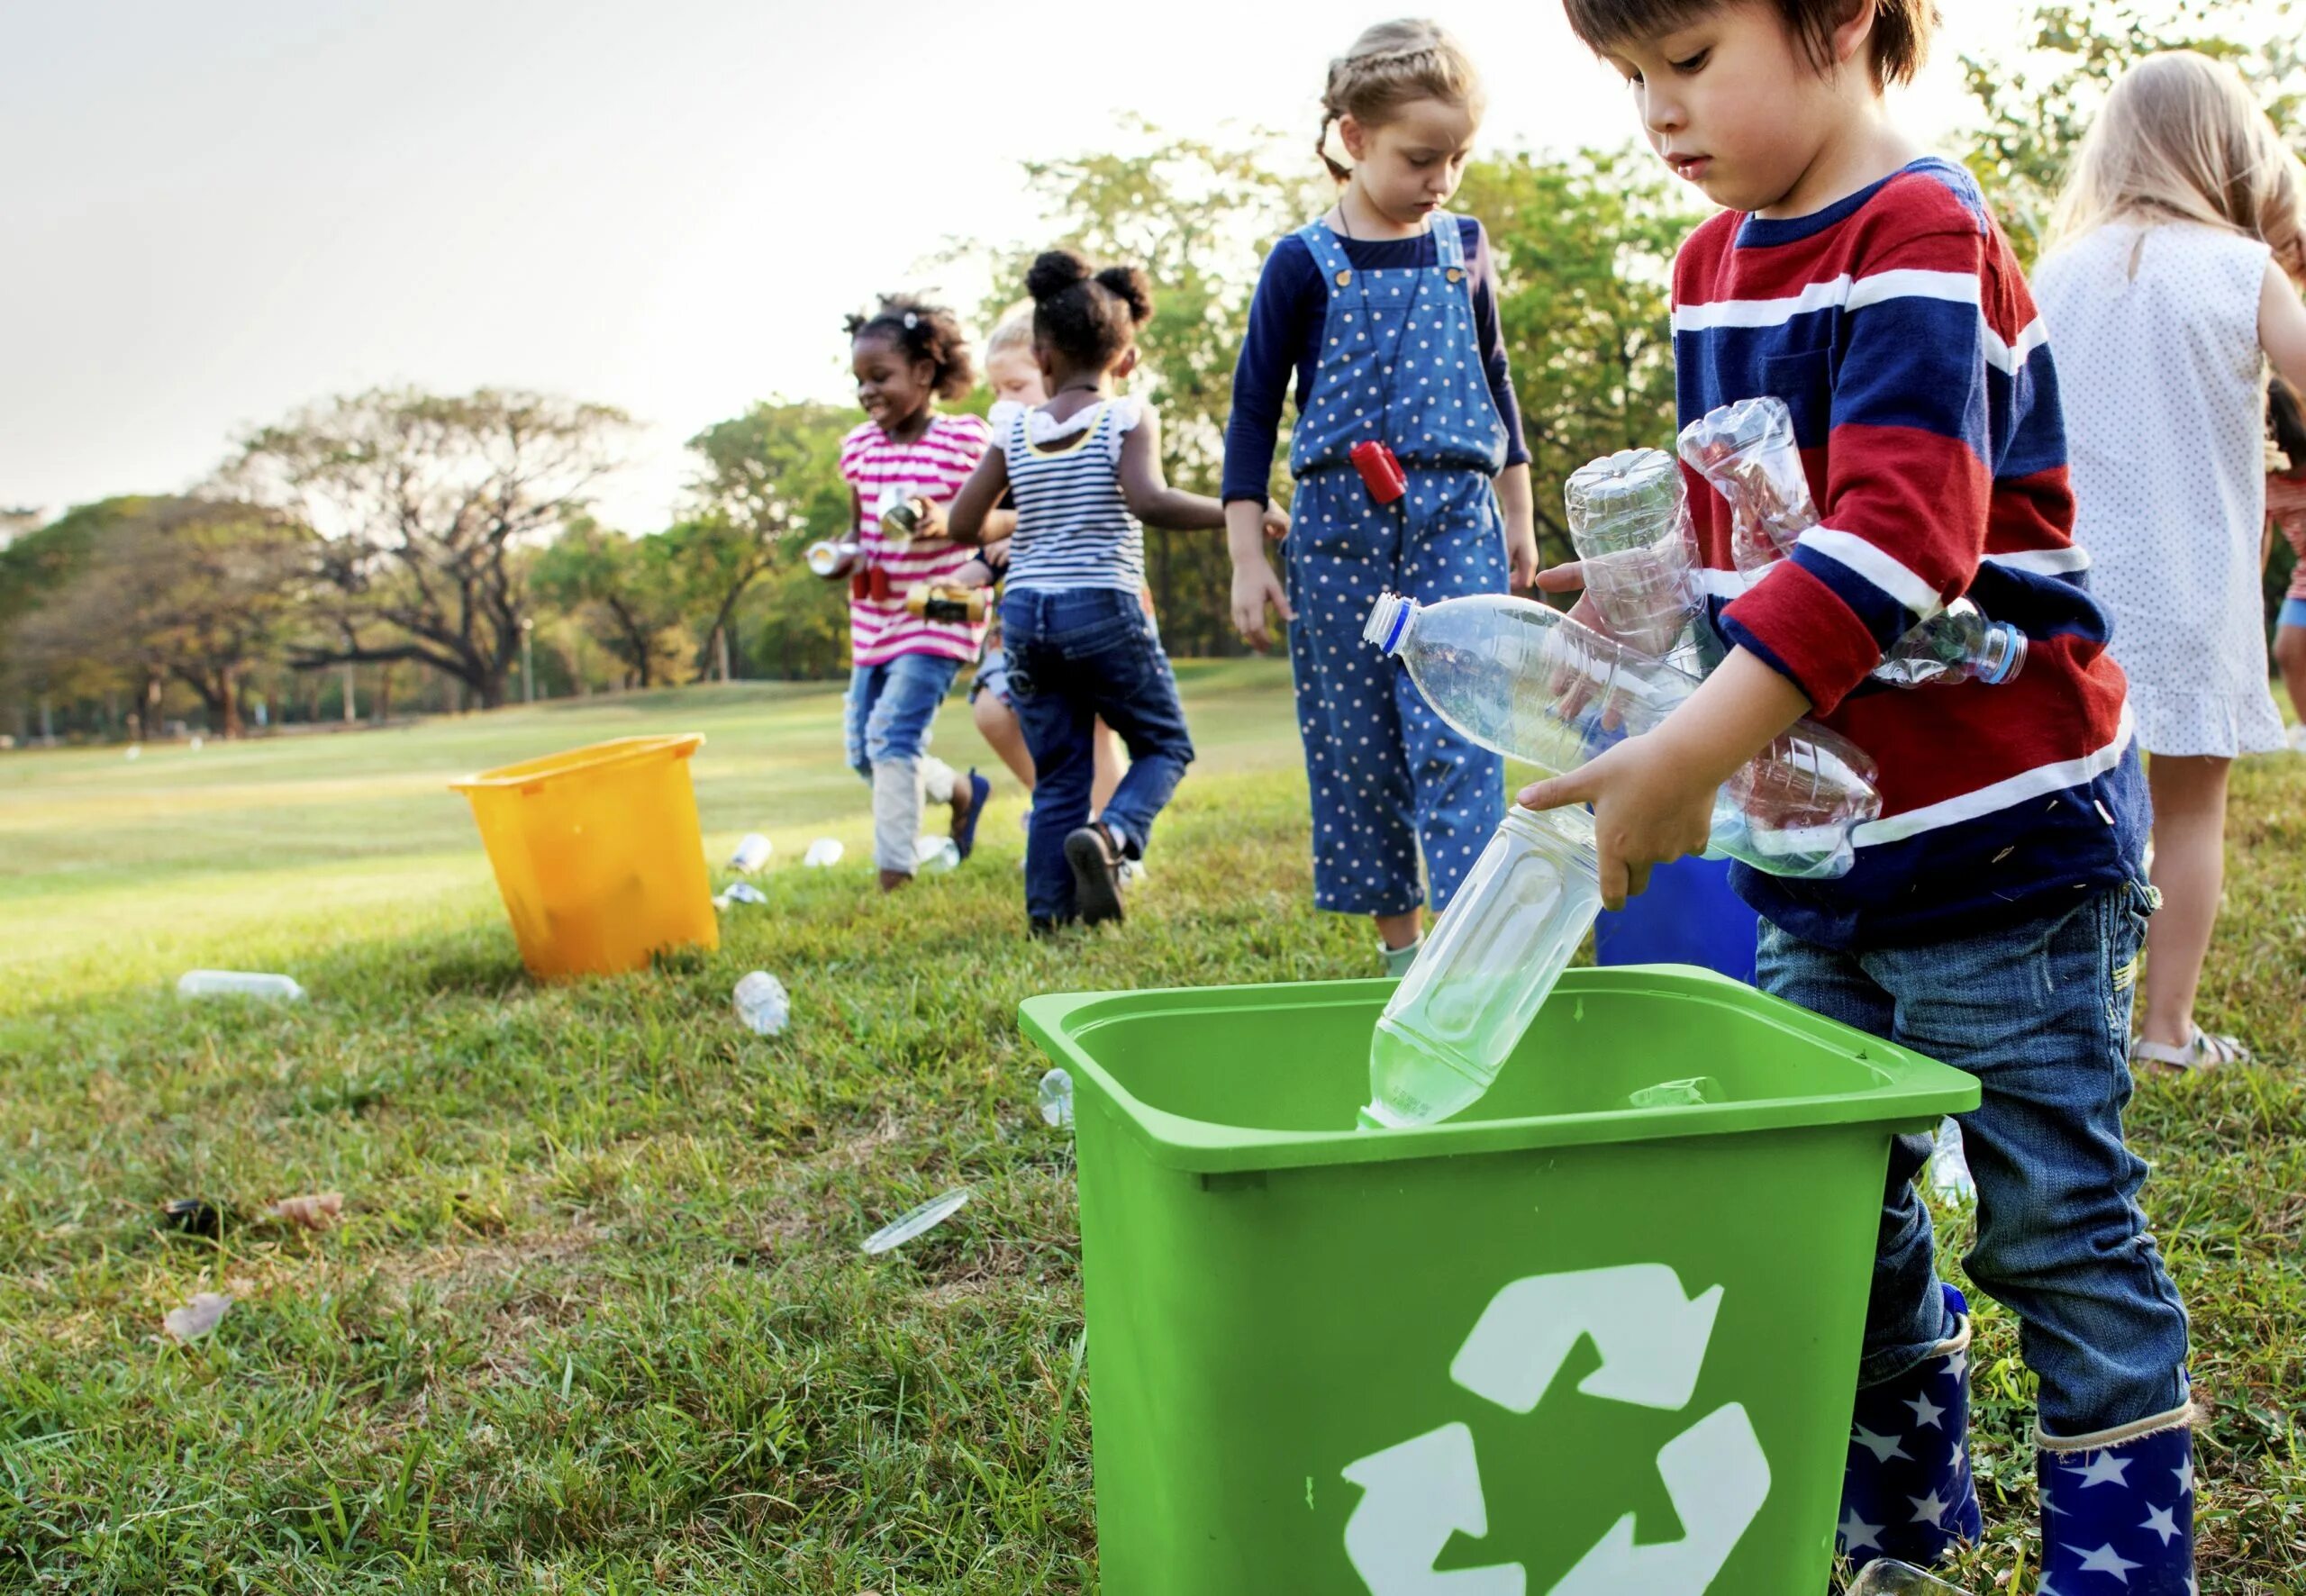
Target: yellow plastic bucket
(598,854)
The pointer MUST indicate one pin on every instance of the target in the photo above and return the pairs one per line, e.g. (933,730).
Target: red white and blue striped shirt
(1897,326)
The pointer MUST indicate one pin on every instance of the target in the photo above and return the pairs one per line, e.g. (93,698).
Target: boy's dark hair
(1088,317)
(922,332)
(1901,28)
(2286,414)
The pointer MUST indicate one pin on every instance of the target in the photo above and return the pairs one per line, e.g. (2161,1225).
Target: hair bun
(1053,272)
(1132,287)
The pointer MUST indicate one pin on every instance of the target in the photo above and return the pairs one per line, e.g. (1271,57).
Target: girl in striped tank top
(1085,470)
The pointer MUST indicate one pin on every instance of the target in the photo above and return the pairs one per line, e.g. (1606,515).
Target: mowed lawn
(597,1318)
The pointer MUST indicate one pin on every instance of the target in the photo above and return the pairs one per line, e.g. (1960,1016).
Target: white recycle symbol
(1416,1495)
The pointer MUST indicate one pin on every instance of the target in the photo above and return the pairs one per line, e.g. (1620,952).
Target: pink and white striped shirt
(932,466)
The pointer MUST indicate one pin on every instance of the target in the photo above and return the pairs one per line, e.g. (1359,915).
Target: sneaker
(1096,874)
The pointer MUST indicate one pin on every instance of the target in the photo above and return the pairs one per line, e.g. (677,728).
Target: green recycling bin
(1598,1336)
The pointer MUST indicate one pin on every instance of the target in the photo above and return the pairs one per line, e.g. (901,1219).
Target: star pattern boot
(1906,1490)
(2118,1511)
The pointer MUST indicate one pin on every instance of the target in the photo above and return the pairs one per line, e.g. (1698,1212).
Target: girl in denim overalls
(1385,313)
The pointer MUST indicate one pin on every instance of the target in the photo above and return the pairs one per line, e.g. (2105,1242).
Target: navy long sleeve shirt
(1284,342)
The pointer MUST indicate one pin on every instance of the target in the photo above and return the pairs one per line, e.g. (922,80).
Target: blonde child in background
(2172,279)
(1380,319)
(1015,378)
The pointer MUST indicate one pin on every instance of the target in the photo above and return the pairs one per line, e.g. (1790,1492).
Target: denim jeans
(1074,657)
(2039,1012)
(890,707)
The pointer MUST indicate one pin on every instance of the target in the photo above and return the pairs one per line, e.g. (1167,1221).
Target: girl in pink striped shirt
(906,357)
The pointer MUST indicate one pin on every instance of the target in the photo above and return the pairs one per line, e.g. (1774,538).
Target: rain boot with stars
(1906,1491)
(2118,1510)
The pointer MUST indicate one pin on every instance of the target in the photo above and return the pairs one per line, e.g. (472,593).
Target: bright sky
(215,212)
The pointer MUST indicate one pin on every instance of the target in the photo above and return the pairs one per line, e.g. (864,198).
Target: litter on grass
(763,1004)
(315,1211)
(196,1317)
(1057,1098)
(249,983)
(927,1217)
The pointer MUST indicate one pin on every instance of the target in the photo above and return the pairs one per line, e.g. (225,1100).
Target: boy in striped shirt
(1996,912)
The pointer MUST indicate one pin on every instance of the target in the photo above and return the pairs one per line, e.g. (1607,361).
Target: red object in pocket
(1381,471)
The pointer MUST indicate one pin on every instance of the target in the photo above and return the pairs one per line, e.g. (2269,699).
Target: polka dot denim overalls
(1400,361)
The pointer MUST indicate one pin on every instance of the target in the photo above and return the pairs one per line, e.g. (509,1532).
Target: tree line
(396,551)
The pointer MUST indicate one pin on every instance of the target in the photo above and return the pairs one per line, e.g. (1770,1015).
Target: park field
(595,1317)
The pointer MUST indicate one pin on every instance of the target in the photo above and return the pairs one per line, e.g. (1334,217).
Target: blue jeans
(891,706)
(1075,657)
(2039,1012)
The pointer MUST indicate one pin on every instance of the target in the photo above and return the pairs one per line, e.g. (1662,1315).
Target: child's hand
(1520,555)
(933,523)
(1255,586)
(1276,523)
(976,573)
(1648,807)
(1570,577)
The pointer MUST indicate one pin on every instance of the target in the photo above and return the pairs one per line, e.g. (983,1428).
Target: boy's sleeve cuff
(1800,629)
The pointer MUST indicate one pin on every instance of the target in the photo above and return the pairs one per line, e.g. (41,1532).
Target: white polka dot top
(2156,329)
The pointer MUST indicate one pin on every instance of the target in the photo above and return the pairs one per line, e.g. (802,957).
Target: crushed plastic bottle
(1483,970)
(1950,1166)
(1527,681)
(1886,1576)
(823,853)
(762,1003)
(739,891)
(1628,526)
(927,1217)
(752,852)
(239,984)
(1747,450)
(1677,1094)
(1057,1098)
(936,854)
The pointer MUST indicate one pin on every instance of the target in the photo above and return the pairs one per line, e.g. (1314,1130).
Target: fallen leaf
(317,1210)
(196,1317)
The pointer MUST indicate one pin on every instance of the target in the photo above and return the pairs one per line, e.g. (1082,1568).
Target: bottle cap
(1389,620)
(2004,655)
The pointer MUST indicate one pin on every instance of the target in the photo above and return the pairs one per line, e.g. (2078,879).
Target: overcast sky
(213,211)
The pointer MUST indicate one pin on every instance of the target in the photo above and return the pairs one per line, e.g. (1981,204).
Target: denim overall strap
(1400,361)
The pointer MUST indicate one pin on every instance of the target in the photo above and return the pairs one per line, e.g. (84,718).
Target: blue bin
(1689,916)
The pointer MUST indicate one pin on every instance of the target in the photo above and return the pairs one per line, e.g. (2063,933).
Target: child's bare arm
(973,518)
(1515,498)
(1146,487)
(1653,795)
(2282,326)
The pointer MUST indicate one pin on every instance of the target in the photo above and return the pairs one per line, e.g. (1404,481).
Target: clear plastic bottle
(1485,969)
(1527,681)
(1057,1098)
(762,1003)
(1627,522)
(1950,1166)
(1885,1576)
(753,851)
(1747,452)
(245,984)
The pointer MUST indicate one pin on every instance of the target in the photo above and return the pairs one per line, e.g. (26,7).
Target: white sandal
(2205,1051)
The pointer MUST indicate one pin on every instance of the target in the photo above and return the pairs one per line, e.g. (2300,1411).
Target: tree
(196,591)
(626,594)
(769,482)
(2036,110)
(428,504)
(1199,217)
(1584,248)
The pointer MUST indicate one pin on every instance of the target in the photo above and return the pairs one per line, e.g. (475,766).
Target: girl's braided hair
(922,332)
(1388,67)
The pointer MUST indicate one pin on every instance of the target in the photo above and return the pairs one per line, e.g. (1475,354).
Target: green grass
(597,1318)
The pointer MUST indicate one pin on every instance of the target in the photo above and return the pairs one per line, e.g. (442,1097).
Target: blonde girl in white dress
(2172,281)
